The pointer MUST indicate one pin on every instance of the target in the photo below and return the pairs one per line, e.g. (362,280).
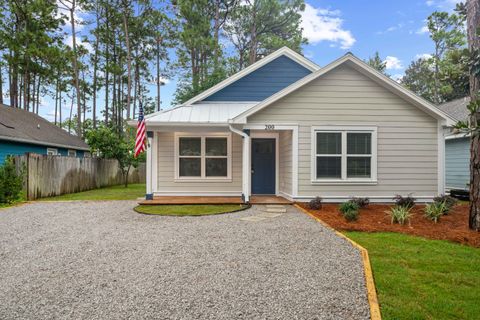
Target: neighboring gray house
(287,127)
(457,148)
(22,131)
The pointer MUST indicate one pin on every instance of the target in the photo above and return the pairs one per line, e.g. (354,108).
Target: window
(344,154)
(203,157)
(72,153)
(52,151)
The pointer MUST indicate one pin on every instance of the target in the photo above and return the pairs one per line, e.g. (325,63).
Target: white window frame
(52,151)
(72,153)
(344,130)
(203,156)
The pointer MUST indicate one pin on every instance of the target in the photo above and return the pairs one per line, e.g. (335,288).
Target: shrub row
(11,183)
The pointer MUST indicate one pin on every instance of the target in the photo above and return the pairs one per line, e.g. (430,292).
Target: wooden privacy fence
(47,176)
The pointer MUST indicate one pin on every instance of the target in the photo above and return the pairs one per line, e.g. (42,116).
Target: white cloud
(448,5)
(79,15)
(69,42)
(424,56)
(325,25)
(422,30)
(397,77)
(430,3)
(393,63)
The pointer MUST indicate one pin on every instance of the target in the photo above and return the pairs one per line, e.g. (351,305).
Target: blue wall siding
(263,82)
(457,159)
(15,148)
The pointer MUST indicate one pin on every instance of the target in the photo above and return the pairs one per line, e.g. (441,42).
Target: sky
(394,28)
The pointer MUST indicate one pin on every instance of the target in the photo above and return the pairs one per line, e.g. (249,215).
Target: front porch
(179,200)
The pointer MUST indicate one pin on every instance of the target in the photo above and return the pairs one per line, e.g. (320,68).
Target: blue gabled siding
(263,82)
(457,163)
(15,148)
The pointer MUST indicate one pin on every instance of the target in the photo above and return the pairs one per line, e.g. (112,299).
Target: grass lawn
(189,210)
(417,278)
(132,192)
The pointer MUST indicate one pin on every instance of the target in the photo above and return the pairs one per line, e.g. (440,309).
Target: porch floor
(214,200)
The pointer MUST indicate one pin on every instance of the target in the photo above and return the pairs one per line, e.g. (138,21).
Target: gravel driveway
(101,260)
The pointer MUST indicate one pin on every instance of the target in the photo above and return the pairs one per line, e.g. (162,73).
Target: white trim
(373,199)
(74,153)
(53,151)
(441,157)
(457,136)
(149,168)
(201,194)
(203,157)
(287,196)
(268,135)
(344,179)
(154,162)
(280,52)
(245,162)
(362,67)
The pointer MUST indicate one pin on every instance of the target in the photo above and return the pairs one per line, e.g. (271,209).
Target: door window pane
(190,167)
(329,143)
(216,146)
(359,143)
(358,167)
(216,167)
(329,167)
(190,146)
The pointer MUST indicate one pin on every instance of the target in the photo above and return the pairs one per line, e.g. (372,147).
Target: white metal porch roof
(211,112)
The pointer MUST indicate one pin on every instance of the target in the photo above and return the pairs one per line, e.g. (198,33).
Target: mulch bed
(373,218)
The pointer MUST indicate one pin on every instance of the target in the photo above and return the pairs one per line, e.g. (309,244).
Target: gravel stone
(101,260)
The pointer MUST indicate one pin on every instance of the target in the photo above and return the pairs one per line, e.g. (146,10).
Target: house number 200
(269,127)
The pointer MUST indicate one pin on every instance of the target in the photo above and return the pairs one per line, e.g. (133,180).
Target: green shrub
(399,214)
(11,182)
(407,202)
(361,202)
(435,210)
(449,202)
(315,204)
(349,210)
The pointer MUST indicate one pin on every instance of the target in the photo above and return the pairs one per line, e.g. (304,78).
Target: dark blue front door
(263,166)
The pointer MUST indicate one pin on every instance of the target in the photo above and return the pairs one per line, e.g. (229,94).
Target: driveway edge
(367,268)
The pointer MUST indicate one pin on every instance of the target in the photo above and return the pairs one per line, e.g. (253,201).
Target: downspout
(245,162)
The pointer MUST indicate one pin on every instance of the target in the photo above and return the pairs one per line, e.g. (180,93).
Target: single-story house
(22,131)
(285,126)
(457,147)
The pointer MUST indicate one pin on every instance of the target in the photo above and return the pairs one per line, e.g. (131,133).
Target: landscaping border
(246,206)
(369,280)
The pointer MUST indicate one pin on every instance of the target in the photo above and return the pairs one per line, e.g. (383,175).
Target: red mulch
(373,218)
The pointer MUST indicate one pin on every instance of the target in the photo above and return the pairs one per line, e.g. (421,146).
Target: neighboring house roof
(287,52)
(22,126)
(456,108)
(201,113)
(365,69)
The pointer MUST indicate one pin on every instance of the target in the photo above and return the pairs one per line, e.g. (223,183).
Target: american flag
(140,138)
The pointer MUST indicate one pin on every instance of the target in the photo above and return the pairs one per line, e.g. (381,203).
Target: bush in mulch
(453,227)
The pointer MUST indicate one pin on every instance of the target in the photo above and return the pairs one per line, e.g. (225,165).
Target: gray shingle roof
(456,108)
(23,126)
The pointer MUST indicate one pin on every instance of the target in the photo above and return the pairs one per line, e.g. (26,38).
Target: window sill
(202,180)
(345,182)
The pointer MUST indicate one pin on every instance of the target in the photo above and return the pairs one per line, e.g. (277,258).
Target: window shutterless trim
(344,155)
(203,157)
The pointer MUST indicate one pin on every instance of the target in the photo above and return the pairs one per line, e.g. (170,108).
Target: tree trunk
(95,66)
(129,60)
(56,100)
(473,27)
(107,60)
(253,36)
(1,85)
(38,93)
(71,112)
(159,81)
(75,69)
(60,109)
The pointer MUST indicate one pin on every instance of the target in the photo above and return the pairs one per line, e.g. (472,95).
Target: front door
(263,166)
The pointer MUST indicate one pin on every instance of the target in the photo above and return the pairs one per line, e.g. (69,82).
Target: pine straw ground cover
(373,218)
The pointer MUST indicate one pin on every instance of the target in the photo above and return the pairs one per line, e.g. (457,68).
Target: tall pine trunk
(75,68)
(473,27)
(129,60)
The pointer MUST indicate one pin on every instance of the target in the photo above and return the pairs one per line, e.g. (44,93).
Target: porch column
(149,169)
(246,172)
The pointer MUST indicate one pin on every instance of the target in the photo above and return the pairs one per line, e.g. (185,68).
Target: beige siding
(166,174)
(285,162)
(407,137)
